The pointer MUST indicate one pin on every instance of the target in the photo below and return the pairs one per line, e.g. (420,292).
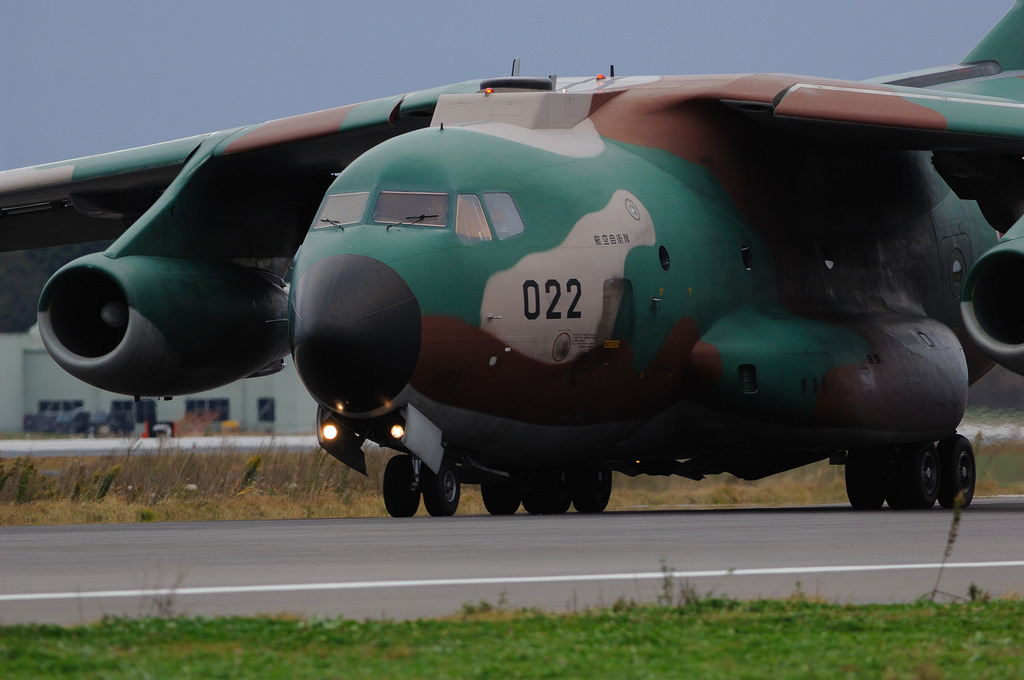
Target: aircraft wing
(99,197)
(977,139)
(267,179)
(841,112)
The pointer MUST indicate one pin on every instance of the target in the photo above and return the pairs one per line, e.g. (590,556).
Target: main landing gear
(406,478)
(912,476)
(550,491)
(540,491)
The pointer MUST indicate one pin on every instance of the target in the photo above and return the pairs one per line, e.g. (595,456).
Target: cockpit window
(504,215)
(405,207)
(342,209)
(470,222)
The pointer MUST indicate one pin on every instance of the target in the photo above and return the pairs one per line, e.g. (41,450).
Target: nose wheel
(406,479)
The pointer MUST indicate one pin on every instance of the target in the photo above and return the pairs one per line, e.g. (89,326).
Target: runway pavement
(421,567)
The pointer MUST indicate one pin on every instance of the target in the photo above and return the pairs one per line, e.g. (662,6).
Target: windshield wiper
(412,219)
(416,219)
(333,223)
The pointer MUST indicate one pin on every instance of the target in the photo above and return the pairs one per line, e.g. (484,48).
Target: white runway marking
(498,580)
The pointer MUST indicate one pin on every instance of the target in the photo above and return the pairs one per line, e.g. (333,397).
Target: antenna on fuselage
(515,67)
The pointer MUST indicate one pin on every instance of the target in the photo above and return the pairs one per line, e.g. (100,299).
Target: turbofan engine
(161,326)
(992,303)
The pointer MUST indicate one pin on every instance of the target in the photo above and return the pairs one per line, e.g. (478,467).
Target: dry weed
(176,484)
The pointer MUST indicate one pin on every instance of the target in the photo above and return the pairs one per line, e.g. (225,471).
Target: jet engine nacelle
(992,303)
(161,326)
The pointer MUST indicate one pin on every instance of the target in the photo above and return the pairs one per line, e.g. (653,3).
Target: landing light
(397,431)
(330,432)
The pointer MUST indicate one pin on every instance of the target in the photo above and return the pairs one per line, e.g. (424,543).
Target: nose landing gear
(406,478)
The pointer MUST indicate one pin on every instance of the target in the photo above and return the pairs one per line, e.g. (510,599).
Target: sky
(78,78)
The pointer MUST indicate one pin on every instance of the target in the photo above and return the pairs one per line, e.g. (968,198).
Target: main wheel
(864,480)
(548,491)
(957,471)
(501,498)
(917,478)
(592,487)
(441,491)
(399,498)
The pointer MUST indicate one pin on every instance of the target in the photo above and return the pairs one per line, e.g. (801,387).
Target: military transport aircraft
(529,283)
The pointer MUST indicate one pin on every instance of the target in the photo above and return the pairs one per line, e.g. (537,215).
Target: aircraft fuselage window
(470,222)
(504,215)
(342,209)
(411,208)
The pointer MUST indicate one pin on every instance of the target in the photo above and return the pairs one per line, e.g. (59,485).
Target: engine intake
(89,313)
(162,326)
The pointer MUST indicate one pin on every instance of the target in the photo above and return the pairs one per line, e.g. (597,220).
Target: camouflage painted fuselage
(685,284)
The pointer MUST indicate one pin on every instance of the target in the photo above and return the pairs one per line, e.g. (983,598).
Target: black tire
(864,485)
(548,491)
(441,491)
(917,478)
(399,498)
(592,487)
(502,498)
(958,471)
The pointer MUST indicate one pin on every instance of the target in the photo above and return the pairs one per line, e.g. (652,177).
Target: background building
(36,389)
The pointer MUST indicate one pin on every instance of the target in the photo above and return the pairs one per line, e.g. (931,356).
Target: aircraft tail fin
(1004,43)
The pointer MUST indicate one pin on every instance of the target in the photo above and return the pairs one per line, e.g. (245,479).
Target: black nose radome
(355,332)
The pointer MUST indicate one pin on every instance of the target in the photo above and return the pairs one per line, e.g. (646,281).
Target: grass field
(707,639)
(182,485)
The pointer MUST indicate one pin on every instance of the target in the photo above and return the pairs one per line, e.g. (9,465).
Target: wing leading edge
(99,197)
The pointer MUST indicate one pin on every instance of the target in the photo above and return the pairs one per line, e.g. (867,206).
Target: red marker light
(489,90)
(600,76)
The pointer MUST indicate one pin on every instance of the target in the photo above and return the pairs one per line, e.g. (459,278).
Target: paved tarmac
(425,567)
